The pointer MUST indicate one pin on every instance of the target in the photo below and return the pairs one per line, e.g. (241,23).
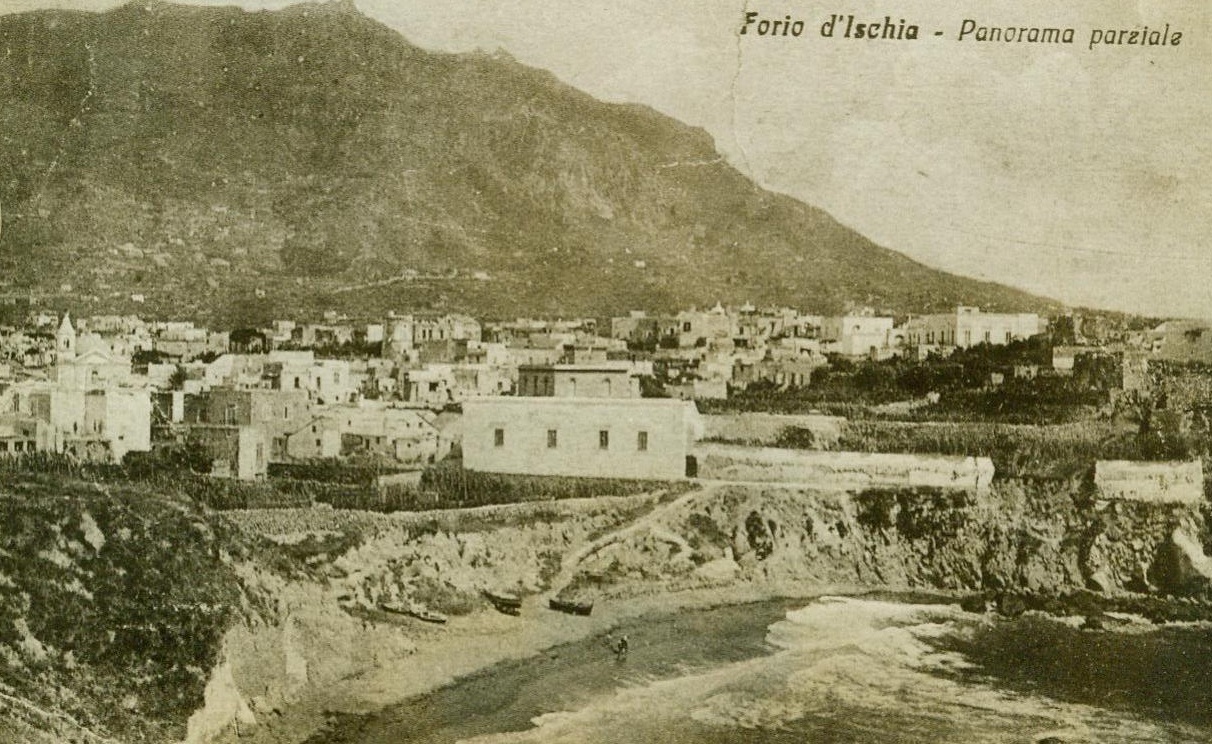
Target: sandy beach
(468,644)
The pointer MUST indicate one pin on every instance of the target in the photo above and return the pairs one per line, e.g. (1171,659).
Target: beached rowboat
(411,610)
(510,604)
(572,607)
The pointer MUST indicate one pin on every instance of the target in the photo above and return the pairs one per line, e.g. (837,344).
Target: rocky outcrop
(1180,566)
(113,601)
(327,623)
(224,706)
(1034,536)
(305,613)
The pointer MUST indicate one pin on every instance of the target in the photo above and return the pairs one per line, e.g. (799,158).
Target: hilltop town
(270,499)
(405,391)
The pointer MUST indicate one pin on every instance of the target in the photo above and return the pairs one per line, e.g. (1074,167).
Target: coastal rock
(1100,581)
(719,570)
(1011,605)
(1181,567)
(224,708)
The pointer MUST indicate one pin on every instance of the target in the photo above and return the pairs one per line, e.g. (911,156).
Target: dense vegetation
(975,384)
(113,600)
(339,485)
(1018,451)
(454,487)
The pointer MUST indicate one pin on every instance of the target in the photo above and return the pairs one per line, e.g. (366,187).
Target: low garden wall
(841,469)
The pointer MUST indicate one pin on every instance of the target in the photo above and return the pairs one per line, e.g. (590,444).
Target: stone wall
(841,470)
(1160,482)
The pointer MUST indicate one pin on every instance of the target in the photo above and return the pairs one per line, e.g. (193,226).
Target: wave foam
(856,670)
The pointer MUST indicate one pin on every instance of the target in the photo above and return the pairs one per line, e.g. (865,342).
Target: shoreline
(473,643)
(318,665)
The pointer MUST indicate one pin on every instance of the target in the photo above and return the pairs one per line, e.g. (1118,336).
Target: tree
(176,381)
(1138,407)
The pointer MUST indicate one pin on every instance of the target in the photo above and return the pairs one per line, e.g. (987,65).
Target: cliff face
(250,165)
(1040,536)
(113,604)
(133,614)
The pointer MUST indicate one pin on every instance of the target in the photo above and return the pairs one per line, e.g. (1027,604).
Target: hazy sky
(1082,174)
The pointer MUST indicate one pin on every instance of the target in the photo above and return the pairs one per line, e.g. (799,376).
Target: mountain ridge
(236,166)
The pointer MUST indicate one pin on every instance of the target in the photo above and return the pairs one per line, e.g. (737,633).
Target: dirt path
(649,521)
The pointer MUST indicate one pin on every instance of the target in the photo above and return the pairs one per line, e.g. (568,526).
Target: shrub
(457,488)
(442,597)
(1061,451)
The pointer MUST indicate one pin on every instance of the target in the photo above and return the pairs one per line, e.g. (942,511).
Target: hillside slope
(247,165)
(113,602)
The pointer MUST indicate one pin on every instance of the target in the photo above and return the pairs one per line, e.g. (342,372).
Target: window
(498,438)
(603,439)
(987,336)
(641,441)
(285,412)
(552,438)
(1008,337)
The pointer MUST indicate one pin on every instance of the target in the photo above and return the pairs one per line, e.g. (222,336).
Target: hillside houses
(389,434)
(858,335)
(1183,341)
(968,326)
(384,388)
(88,405)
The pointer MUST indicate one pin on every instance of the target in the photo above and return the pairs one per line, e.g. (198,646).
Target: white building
(120,418)
(968,326)
(700,327)
(638,438)
(404,435)
(327,380)
(856,335)
(97,424)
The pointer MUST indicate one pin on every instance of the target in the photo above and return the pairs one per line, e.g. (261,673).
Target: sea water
(835,670)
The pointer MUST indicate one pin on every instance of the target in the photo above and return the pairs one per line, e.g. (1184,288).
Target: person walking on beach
(620,649)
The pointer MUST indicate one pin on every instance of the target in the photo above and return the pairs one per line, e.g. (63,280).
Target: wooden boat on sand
(413,610)
(510,604)
(570,606)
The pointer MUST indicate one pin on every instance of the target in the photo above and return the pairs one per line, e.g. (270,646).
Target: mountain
(237,166)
